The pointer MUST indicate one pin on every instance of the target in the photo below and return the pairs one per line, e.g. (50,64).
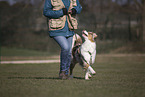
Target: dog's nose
(83,30)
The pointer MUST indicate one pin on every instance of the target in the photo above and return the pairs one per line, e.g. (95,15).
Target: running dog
(84,53)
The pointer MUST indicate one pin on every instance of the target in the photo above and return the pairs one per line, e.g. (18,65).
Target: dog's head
(89,35)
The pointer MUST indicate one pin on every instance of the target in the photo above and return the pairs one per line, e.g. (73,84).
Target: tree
(140,6)
(136,7)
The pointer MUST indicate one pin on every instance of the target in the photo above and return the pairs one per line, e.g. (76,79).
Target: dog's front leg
(89,71)
(92,71)
(86,69)
(87,75)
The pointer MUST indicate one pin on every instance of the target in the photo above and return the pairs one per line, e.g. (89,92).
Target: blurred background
(119,24)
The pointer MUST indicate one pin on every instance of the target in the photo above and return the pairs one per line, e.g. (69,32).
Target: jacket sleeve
(48,12)
(78,7)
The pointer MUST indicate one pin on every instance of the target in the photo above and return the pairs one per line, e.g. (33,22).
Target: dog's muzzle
(85,33)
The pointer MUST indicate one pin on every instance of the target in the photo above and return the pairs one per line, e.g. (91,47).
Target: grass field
(10,52)
(117,76)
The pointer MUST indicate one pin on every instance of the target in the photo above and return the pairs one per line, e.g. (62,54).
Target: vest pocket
(73,23)
(56,24)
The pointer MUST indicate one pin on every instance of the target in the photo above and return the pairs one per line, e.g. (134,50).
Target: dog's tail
(77,40)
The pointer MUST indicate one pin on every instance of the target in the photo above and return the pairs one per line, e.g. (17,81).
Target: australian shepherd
(84,53)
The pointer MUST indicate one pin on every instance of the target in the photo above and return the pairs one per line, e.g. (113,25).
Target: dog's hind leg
(72,65)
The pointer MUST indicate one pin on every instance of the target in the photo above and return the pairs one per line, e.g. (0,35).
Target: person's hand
(72,11)
(65,12)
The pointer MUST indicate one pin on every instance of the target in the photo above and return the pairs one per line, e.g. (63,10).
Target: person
(61,17)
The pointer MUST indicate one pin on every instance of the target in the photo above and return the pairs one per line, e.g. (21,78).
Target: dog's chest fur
(88,51)
(88,46)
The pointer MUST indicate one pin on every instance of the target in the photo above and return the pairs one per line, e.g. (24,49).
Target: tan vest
(57,24)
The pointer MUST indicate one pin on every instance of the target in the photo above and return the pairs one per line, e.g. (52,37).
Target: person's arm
(48,12)
(77,9)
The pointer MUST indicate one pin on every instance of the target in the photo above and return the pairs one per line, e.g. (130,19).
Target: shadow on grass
(79,77)
(42,78)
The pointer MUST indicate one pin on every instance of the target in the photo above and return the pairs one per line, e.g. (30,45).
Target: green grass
(13,54)
(116,77)
(23,52)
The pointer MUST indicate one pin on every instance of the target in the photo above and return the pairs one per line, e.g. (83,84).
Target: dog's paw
(90,75)
(87,79)
(94,73)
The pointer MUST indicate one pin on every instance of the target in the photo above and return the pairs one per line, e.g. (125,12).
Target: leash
(69,17)
(90,57)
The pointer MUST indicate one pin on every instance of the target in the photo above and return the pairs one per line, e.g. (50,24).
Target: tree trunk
(143,21)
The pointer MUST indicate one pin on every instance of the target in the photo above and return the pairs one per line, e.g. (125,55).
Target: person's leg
(69,39)
(65,57)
